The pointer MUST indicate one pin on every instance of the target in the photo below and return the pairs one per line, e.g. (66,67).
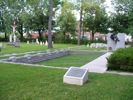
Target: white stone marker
(37,41)
(40,43)
(0,46)
(14,38)
(14,27)
(28,42)
(46,43)
(76,76)
(10,38)
(88,46)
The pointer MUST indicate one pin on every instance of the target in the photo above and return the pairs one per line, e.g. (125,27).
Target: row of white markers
(97,45)
(92,45)
(41,43)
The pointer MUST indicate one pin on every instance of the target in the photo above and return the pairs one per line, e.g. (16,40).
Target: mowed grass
(36,47)
(23,48)
(21,82)
(71,60)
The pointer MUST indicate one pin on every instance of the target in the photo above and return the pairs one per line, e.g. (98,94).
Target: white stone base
(76,76)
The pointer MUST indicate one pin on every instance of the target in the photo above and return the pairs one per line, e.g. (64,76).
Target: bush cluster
(3,39)
(121,59)
(75,41)
(34,40)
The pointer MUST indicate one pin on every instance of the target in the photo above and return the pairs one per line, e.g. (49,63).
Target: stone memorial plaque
(76,72)
(76,76)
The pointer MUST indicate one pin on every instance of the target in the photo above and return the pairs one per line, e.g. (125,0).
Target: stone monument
(115,41)
(28,42)
(14,27)
(37,41)
(76,76)
(10,38)
(0,46)
(14,38)
(40,42)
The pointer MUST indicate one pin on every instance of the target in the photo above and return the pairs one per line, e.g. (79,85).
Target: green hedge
(75,41)
(121,59)
(3,39)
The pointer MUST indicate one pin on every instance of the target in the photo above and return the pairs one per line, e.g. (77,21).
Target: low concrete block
(76,76)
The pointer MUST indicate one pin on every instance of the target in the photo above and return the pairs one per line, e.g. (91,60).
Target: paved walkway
(98,65)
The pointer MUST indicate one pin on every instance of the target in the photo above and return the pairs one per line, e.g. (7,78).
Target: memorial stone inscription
(76,76)
(75,72)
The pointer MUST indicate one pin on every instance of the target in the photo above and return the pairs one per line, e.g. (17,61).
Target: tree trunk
(80,25)
(40,35)
(64,33)
(5,31)
(50,24)
(22,37)
(92,36)
(21,32)
(5,36)
(83,33)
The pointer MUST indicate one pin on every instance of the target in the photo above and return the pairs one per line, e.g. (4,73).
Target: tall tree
(2,26)
(50,24)
(80,20)
(6,18)
(38,16)
(80,6)
(122,19)
(95,19)
(67,20)
(12,12)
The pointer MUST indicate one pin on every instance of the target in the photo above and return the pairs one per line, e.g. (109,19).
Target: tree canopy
(67,20)
(95,18)
(33,15)
(122,19)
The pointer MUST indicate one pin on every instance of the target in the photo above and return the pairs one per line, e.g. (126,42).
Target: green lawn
(20,82)
(71,60)
(23,48)
(36,47)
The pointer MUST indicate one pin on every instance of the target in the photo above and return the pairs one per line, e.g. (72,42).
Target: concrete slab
(98,65)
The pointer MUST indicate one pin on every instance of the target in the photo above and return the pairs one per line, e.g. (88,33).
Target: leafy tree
(119,23)
(5,18)
(95,19)
(2,26)
(38,16)
(67,20)
(122,19)
(28,14)
(79,6)
(12,10)
(82,6)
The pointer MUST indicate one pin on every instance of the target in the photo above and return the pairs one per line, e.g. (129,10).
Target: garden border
(31,59)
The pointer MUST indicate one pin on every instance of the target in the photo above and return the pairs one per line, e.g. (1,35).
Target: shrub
(121,59)
(4,39)
(74,41)
(84,42)
(29,39)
